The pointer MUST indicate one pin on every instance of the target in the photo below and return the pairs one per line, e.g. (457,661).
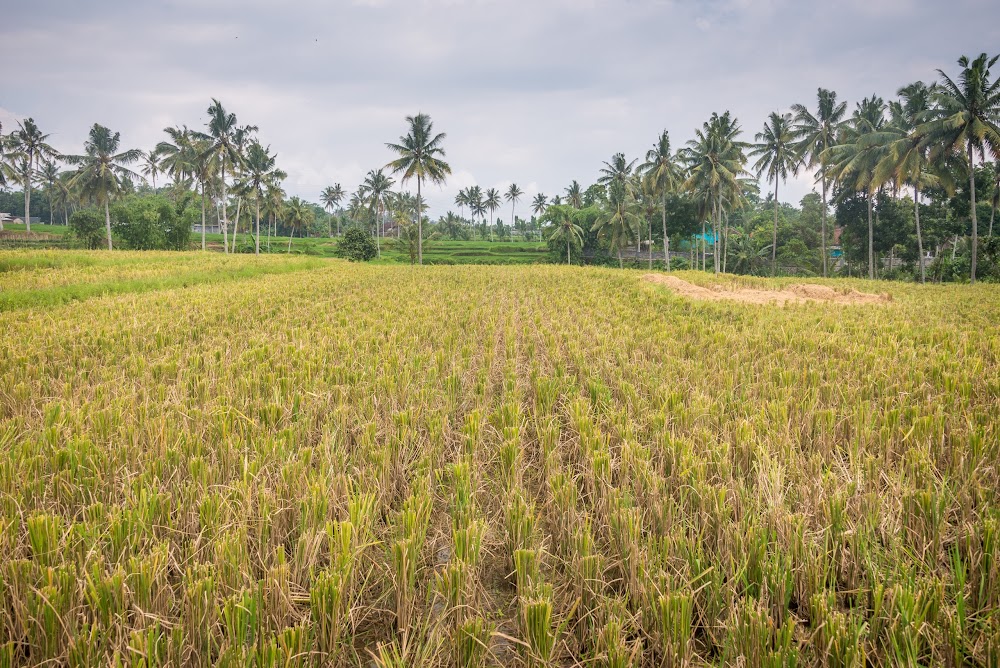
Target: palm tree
(513,195)
(477,207)
(618,170)
(29,142)
(150,166)
(49,175)
(420,156)
(274,204)
(853,160)
(816,134)
(377,187)
(462,201)
(574,195)
(185,157)
(620,225)
(995,199)
(663,173)
(906,160)
(778,156)
(225,138)
(539,204)
(715,161)
(331,198)
(967,116)
(491,200)
(566,228)
(298,214)
(260,171)
(102,168)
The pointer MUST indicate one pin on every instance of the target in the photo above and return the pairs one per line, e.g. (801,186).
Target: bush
(87,225)
(357,246)
(151,223)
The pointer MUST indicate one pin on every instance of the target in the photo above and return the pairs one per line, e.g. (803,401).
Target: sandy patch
(792,294)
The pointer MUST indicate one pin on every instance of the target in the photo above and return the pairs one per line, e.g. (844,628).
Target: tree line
(931,150)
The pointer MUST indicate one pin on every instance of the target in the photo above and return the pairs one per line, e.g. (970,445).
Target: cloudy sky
(538,92)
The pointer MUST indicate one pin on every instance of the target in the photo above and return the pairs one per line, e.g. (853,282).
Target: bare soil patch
(793,294)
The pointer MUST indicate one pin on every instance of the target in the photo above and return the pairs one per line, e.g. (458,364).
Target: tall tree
(225,138)
(777,156)
(574,195)
(377,187)
(513,195)
(298,215)
(620,223)
(565,228)
(260,171)
(49,175)
(853,159)
(539,204)
(151,166)
(331,198)
(818,132)
(491,200)
(462,201)
(662,172)
(420,155)
(30,143)
(967,116)
(102,169)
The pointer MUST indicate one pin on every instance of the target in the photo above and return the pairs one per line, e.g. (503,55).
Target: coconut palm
(513,195)
(967,117)
(225,138)
(662,172)
(995,198)
(184,157)
(150,166)
(491,201)
(102,169)
(715,161)
(906,160)
(298,215)
(462,201)
(377,187)
(816,133)
(259,172)
(617,170)
(777,156)
(477,207)
(620,224)
(566,228)
(574,195)
(274,204)
(49,175)
(331,198)
(420,155)
(29,143)
(539,204)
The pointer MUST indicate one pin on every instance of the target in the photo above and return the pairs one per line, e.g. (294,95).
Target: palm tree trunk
(649,251)
(993,214)
(225,213)
(236,223)
(703,249)
(203,216)
(975,223)
(27,198)
(620,266)
(568,259)
(823,226)
(666,239)
(256,249)
(920,241)
(717,244)
(420,230)
(774,233)
(290,240)
(107,221)
(871,240)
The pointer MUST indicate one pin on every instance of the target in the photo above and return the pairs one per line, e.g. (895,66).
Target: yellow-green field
(290,462)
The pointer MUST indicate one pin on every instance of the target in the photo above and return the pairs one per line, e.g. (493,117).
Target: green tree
(298,215)
(357,245)
(421,156)
(619,225)
(574,195)
(377,187)
(777,156)
(513,195)
(87,225)
(260,171)
(539,204)
(103,169)
(331,198)
(30,144)
(966,116)
(491,201)
(663,173)
(816,133)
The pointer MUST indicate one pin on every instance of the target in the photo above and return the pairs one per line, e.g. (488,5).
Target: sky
(535,92)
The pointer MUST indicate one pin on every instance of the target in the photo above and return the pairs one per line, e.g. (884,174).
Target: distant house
(35,220)
(209,229)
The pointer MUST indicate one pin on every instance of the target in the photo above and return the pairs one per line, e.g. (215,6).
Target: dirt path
(792,294)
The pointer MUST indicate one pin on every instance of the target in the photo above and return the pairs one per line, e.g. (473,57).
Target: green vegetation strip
(51,297)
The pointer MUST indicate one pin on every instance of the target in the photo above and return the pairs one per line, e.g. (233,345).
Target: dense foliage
(357,246)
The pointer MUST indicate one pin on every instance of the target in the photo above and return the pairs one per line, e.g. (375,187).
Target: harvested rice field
(281,462)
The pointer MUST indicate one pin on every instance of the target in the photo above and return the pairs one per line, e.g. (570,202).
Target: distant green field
(435,252)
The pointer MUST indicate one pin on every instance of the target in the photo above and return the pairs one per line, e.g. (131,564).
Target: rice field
(337,464)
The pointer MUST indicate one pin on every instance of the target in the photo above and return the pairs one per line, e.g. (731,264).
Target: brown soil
(792,294)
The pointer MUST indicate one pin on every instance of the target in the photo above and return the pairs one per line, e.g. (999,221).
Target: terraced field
(327,463)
